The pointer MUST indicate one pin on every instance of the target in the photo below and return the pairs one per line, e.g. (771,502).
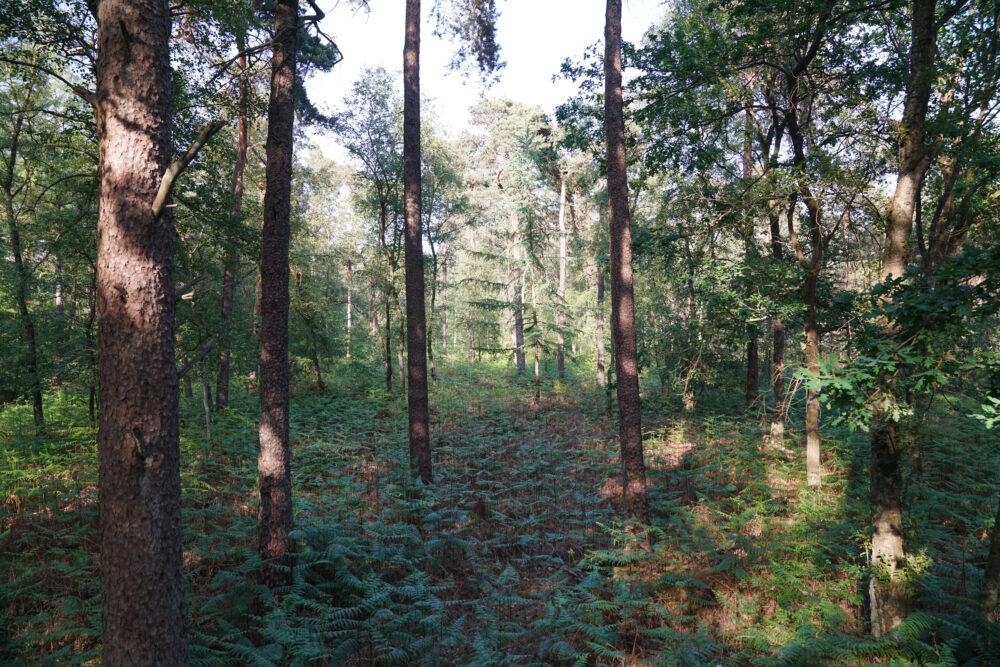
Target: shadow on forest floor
(515,555)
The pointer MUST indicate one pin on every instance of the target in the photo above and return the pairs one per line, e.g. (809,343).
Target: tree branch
(178,166)
(199,355)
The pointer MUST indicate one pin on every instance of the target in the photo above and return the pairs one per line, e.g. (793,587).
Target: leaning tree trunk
(274,459)
(229,269)
(622,298)
(889,599)
(561,311)
(139,485)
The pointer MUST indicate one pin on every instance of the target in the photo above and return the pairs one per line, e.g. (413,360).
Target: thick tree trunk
(274,459)
(561,310)
(416,325)
(601,380)
(229,268)
(139,486)
(622,299)
(888,597)
(21,273)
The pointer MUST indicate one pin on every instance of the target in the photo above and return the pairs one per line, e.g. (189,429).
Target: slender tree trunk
(753,357)
(518,301)
(889,600)
(444,309)
(401,347)
(373,311)
(813,469)
(468,336)
(753,369)
(58,297)
(388,347)
(229,268)
(430,321)
(274,459)
(22,275)
(537,346)
(991,573)
(561,310)
(601,380)
(622,299)
(350,308)
(139,486)
(207,399)
(777,340)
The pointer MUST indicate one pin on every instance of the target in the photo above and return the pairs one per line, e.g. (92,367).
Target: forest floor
(515,555)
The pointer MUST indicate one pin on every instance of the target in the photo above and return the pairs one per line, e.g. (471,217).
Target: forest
(700,366)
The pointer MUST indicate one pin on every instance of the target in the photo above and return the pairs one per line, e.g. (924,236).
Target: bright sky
(535,37)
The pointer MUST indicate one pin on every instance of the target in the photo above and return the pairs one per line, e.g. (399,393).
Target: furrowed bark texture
(416,322)
(622,298)
(888,597)
(274,458)
(139,491)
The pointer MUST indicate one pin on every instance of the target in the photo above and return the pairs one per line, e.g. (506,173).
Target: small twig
(178,166)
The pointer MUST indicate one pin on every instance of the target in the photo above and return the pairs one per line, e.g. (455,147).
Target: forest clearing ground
(514,556)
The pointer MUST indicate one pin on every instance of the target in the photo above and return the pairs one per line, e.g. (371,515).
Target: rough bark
(229,267)
(622,298)
(416,325)
(274,458)
(139,491)
(601,380)
(561,309)
(888,597)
